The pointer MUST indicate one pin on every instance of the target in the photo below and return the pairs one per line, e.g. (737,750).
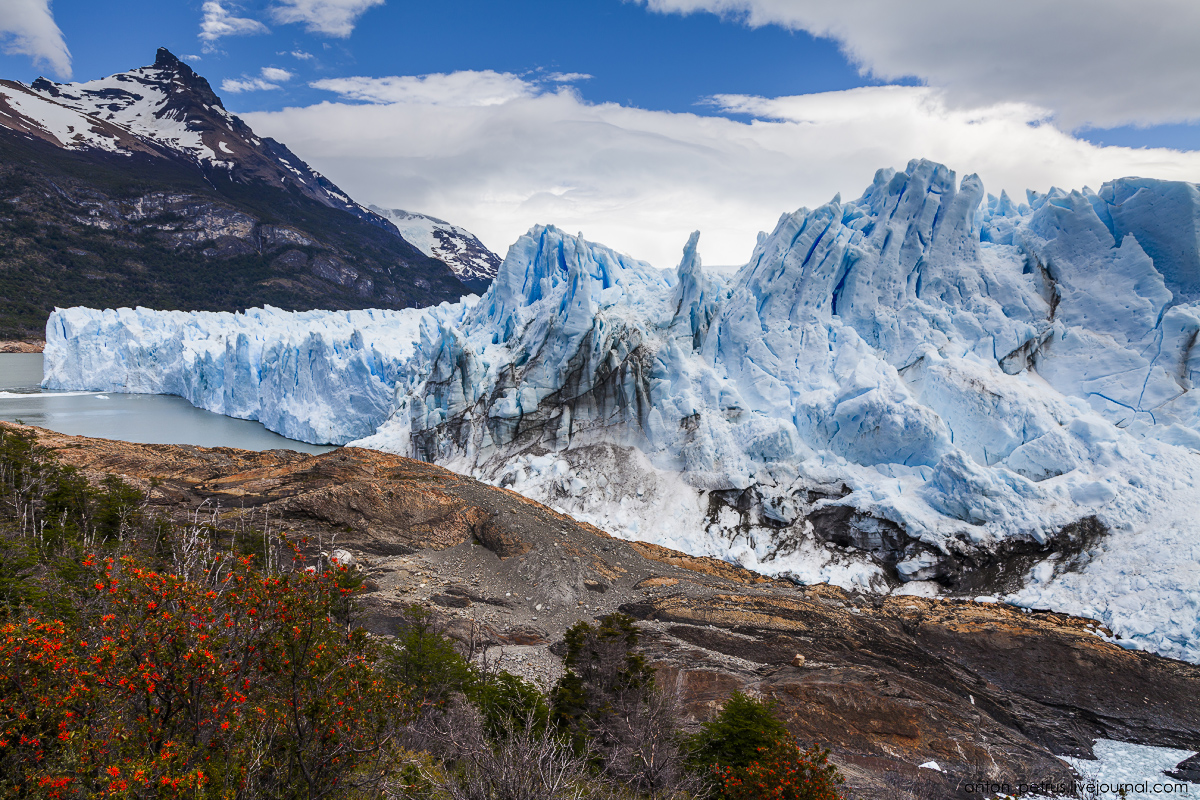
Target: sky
(638,121)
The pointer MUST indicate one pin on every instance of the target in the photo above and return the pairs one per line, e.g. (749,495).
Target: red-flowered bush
(249,685)
(783,772)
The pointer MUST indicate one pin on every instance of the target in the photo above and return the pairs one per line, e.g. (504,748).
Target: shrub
(19,584)
(506,700)
(604,674)
(782,772)
(609,702)
(427,660)
(247,688)
(738,734)
(748,753)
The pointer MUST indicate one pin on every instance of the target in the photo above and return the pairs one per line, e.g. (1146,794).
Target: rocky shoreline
(23,346)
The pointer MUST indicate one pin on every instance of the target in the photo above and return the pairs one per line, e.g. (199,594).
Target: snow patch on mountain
(139,100)
(29,112)
(924,386)
(470,260)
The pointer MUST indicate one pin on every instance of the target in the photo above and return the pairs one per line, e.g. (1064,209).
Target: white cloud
(467,88)
(1100,62)
(300,54)
(193,58)
(330,17)
(568,77)
(270,79)
(27,28)
(218,22)
(239,85)
(641,180)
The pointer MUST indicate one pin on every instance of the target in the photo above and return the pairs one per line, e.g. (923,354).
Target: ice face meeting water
(925,387)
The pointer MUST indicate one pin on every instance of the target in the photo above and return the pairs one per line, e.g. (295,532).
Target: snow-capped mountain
(168,200)
(471,261)
(169,105)
(924,389)
(25,111)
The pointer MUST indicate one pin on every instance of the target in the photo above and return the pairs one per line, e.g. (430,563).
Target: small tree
(749,754)
(738,734)
(608,701)
(506,700)
(426,660)
(605,674)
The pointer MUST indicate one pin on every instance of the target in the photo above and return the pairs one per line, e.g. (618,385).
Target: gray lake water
(148,418)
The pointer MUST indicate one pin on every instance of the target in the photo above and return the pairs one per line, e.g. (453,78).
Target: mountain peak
(165,59)
(167,104)
(466,256)
(168,110)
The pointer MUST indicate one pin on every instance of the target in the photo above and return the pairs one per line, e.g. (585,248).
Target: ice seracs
(924,387)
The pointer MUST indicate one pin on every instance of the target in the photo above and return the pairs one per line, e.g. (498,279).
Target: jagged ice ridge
(923,386)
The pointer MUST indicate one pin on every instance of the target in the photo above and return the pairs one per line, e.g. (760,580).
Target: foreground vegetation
(142,659)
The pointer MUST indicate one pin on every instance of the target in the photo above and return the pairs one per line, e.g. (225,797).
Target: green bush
(604,672)
(739,732)
(748,754)
(507,702)
(19,584)
(427,661)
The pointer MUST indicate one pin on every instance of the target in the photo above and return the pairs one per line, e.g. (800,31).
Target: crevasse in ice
(927,384)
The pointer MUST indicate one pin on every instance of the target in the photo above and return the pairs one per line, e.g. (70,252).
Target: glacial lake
(147,418)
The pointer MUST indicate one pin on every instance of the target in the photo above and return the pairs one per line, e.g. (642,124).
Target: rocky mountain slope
(472,262)
(987,691)
(141,189)
(924,390)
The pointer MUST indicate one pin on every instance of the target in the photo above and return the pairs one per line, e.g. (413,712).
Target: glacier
(926,389)
(316,376)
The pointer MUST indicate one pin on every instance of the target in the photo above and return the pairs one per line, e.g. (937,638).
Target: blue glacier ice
(315,376)
(904,392)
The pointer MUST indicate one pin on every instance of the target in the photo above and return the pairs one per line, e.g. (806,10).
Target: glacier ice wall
(925,386)
(316,376)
